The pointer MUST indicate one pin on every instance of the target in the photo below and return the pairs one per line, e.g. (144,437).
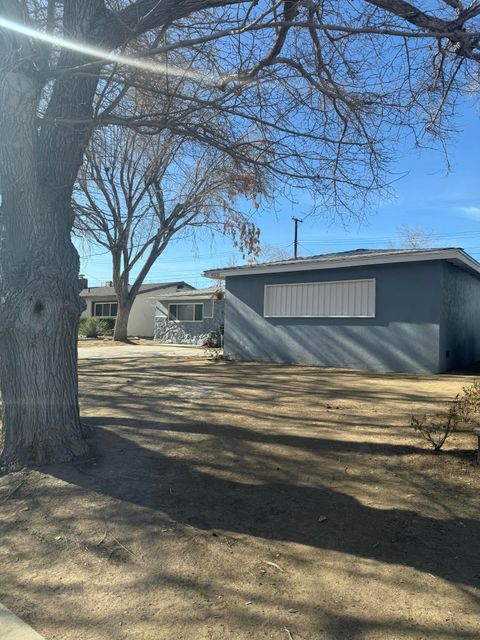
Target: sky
(444,203)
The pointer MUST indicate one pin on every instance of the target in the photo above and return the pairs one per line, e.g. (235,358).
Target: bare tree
(413,237)
(134,194)
(270,253)
(314,93)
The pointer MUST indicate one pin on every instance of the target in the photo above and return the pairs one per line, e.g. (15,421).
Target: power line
(370,239)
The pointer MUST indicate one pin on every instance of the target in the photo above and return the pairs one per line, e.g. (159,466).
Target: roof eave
(214,295)
(184,298)
(456,256)
(90,291)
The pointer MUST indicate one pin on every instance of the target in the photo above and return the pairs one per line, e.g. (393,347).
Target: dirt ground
(245,501)
(109,342)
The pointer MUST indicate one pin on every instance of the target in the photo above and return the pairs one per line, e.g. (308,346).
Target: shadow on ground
(239,501)
(287,512)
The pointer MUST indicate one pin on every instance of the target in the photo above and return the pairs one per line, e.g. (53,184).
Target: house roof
(211,293)
(355,258)
(102,292)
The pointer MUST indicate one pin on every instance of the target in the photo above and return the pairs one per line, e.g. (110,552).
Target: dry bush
(463,410)
(471,403)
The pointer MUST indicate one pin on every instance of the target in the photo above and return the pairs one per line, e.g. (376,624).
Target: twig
(9,495)
(273,564)
(122,545)
(290,637)
(102,539)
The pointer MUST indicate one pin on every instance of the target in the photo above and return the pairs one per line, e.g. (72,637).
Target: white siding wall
(339,299)
(87,312)
(141,320)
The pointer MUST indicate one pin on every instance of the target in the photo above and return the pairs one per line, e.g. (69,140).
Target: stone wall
(177,332)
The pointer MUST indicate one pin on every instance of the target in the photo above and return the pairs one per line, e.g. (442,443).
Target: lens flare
(108,57)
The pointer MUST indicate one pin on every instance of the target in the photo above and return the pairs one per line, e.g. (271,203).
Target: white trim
(109,302)
(213,310)
(176,304)
(300,284)
(183,298)
(457,256)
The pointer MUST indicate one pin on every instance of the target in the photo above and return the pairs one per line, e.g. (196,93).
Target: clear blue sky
(447,205)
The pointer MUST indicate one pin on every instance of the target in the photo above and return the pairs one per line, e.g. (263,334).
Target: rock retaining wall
(177,332)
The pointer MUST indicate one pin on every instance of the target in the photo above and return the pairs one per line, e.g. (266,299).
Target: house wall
(460,323)
(198,332)
(88,311)
(403,335)
(141,320)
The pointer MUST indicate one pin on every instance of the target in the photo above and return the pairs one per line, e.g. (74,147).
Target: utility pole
(295,242)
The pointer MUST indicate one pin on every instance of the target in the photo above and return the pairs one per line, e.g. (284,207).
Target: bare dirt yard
(245,501)
(93,343)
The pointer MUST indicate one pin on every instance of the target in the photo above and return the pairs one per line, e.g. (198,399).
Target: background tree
(270,253)
(134,194)
(315,93)
(413,237)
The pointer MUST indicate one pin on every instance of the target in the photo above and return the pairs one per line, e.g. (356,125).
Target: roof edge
(208,293)
(164,285)
(92,291)
(457,256)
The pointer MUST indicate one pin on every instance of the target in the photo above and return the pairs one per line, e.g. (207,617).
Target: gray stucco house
(382,310)
(190,317)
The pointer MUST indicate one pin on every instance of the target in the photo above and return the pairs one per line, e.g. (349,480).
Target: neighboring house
(102,303)
(383,310)
(189,317)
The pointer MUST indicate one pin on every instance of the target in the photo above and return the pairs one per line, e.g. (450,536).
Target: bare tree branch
(134,195)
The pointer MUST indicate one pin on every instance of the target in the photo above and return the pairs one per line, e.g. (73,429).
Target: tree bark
(121,322)
(40,305)
(38,366)
(39,418)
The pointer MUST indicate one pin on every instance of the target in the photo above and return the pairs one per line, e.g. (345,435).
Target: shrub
(436,429)
(213,341)
(464,409)
(105,326)
(213,346)
(88,327)
(471,403)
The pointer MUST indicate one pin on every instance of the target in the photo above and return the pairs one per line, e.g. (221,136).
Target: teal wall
(404,336)
(460,320)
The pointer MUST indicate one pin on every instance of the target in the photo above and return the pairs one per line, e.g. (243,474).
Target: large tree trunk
(40,305)
(38,365)
(121,322)
(39,419)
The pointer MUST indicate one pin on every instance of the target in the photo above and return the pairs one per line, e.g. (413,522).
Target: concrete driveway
(141,351)
(12,628)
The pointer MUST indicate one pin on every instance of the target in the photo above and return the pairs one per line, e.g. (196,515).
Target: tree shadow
(308,443)
(322,518)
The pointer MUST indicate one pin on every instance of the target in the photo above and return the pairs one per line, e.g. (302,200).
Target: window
(208,309)
(105,309)
(339,299)
(185,312)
